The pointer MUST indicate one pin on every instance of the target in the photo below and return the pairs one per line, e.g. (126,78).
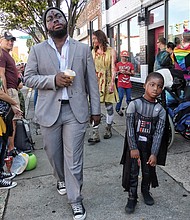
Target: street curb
(3,201)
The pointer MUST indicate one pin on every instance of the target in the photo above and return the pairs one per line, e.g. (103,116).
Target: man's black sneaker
(130,207)
(148,200)
(79,212)
(7,184)
(7,176)
(119,112)
(61,189)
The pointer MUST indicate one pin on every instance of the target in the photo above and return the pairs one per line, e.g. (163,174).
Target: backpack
(23,138)
(165,60)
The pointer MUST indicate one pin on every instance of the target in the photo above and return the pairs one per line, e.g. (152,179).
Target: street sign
(25,37)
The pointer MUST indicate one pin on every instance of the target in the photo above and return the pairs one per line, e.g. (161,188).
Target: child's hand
(135,154)
(152,160)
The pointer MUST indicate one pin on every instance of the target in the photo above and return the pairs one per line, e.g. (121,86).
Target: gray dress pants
(64,143)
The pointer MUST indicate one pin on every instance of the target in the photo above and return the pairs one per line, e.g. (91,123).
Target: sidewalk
(35,196)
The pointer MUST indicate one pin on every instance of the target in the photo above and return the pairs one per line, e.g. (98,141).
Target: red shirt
(11,73)
(124,79)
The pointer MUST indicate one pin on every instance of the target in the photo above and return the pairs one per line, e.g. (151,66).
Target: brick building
(89,21)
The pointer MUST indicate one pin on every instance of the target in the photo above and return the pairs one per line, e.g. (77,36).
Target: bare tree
(26,15)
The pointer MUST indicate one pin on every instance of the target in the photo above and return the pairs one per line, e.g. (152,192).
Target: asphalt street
(35,196)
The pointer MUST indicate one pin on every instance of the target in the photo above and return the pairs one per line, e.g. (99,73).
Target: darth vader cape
(161,158)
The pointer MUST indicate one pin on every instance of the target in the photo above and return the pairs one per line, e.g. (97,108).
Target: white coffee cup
(69,72)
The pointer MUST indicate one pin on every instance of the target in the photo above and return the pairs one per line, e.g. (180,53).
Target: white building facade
(135,26)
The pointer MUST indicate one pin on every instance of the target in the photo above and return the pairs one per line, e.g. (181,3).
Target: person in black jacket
(163,59)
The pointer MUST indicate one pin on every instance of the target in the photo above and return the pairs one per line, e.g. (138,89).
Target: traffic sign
(25,37)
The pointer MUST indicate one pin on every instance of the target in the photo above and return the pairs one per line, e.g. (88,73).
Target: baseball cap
(124,53)
(8,36)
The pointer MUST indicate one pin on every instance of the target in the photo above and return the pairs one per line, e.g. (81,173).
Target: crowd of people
(10,86)
(64,105)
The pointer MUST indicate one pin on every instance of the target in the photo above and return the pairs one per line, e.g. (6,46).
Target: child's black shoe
(130,207)
(148,200)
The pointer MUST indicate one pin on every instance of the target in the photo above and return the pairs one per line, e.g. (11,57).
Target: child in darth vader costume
(144,142)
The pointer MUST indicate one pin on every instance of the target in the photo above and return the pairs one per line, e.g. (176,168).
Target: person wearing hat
(9,76)
(63,103)
(125,69)
(182,62)
(182,52)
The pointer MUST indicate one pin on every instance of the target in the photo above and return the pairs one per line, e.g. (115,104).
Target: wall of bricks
(91,11)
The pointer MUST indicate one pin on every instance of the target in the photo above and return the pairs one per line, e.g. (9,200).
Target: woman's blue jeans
(122,92)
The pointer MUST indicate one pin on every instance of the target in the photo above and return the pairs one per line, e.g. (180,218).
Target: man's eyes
(51,18)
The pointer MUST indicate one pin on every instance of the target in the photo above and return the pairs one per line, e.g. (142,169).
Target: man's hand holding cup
(65,79)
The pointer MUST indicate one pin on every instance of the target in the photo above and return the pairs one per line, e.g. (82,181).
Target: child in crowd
(5,178)
(125,69)
(145,123)
(6,130)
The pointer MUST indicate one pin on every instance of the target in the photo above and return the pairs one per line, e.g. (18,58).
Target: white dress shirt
(63,60)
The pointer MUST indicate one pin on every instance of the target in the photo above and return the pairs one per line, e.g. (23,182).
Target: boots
(132,200)
(108,133)
(148,200)
(95,138)
(145,184)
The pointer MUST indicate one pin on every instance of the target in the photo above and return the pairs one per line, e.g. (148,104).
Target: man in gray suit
(64,104)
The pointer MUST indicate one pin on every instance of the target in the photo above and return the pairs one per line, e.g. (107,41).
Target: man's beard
(59,33)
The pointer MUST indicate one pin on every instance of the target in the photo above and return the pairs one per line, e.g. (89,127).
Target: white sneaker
(79,212)
(7,176)
(61,189)
(7,184)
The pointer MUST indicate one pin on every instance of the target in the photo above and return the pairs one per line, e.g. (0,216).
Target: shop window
(135,45)
(110,3)
(114,2)
(123,36)
(95,24)
(114,37)
(179,18)
(156,15)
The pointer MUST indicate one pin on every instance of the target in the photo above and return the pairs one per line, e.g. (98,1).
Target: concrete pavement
(35,196)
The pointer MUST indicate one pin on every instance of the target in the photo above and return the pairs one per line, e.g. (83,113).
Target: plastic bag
(19,163)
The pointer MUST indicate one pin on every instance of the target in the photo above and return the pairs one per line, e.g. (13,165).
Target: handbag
(5,108)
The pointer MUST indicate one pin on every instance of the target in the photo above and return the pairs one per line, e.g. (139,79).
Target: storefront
(136,25)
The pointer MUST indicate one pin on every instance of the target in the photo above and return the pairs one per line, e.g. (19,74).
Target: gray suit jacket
(40,71)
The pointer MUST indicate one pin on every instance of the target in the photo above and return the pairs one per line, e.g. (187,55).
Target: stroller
(176,99)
